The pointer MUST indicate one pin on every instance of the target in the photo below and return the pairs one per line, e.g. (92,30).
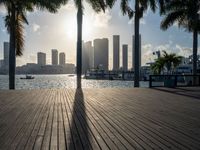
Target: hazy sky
(58,31)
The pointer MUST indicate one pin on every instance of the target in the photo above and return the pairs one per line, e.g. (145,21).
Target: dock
(94,119)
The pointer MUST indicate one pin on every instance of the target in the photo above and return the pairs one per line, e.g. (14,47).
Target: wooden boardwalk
(100,119)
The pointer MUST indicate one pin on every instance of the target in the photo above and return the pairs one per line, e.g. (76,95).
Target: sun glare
(71,29)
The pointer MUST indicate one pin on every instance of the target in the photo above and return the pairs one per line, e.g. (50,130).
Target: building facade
(62,59)
(54,53)
(116,52)
(101,53)
(87,56)
(6,54)
(41,59)
(125,57)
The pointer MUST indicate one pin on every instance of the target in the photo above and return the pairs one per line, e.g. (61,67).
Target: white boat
(28,77)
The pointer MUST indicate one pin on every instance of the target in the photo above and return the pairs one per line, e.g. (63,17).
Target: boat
(28,77)
(71,75)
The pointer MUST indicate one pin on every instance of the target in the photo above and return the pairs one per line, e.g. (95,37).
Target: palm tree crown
(166,62)
(186,14)
(182,12)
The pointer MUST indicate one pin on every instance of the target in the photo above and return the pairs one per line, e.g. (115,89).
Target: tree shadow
(80,137)
(182,92)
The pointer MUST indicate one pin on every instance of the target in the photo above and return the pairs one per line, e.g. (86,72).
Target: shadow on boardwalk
(80,138)
(187,92)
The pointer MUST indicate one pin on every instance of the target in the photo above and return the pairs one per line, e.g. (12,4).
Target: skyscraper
(54,57)
(41,58)
(116,47)
(6,54)
(87,56)
(133,51)
(125,57)
(62,59)
(101,53)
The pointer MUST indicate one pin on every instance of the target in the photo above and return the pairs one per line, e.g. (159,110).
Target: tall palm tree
(185,14)
(14,22)
(140,7)
(97,5)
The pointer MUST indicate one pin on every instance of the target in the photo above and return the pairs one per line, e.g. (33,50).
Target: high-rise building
(6,54)
(101,53)
(62,59)
(41,59)
(1,63)
(54,57)
(125,57)
(116,52)
(133,51)
(87,56)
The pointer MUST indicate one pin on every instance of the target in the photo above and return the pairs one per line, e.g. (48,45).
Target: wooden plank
(41,132)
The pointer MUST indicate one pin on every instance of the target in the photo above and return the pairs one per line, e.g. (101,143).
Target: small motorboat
(28,77)
(71,75)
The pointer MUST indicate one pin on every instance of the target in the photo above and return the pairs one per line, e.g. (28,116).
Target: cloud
(175,24)
(148,49)
(35,27)
(2,10)
(147,53)
(183,51)
(131,21)
(3,30)
(142,21)
(102,19)
(69,7)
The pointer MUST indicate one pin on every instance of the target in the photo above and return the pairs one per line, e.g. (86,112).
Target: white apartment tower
(116,52)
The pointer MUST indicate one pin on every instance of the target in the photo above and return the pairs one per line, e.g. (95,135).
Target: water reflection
(64,81)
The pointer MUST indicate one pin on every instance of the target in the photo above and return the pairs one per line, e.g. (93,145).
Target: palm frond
(170,19)
(99,5)
(126,9)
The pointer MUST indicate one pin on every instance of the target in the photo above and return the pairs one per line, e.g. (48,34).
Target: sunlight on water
(64,81)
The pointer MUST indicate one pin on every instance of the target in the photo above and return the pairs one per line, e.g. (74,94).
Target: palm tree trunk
(79,46)
(12,56)
(195,47)
(136,46)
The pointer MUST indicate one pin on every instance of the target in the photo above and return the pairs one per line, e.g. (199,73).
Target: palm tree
(140,7)
(171,60)
(97,5)
(185,14)
(14,22)
(166,61)
(158,66)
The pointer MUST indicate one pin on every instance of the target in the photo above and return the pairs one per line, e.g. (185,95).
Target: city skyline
(60,32)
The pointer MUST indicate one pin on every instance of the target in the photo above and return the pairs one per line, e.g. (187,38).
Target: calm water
(64,81)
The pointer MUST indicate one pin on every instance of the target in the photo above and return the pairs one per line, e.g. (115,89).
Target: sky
(48,31)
